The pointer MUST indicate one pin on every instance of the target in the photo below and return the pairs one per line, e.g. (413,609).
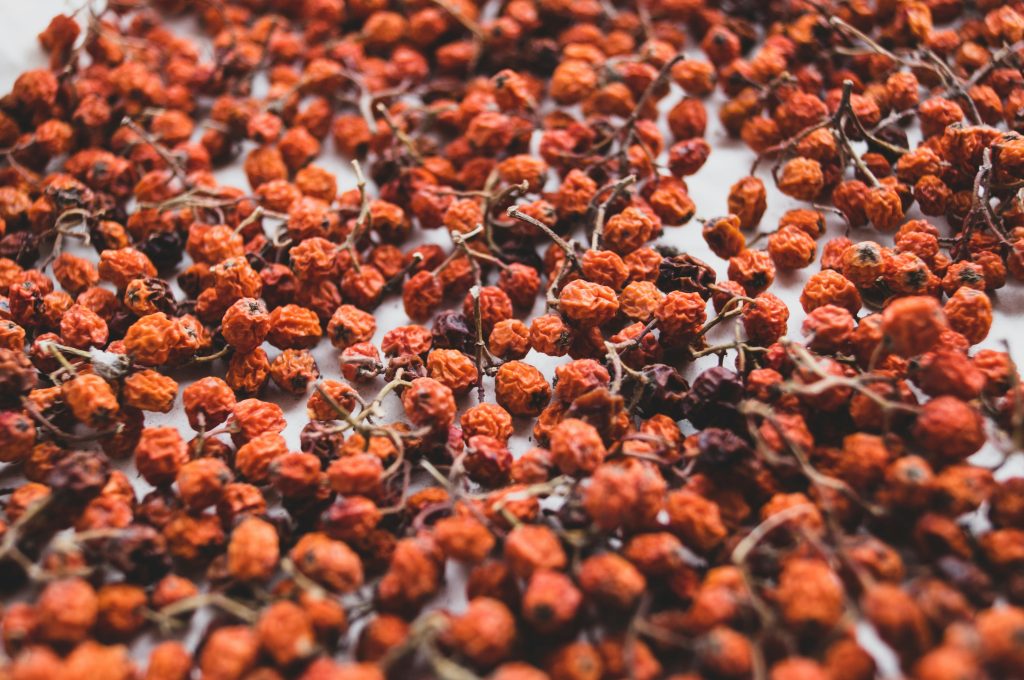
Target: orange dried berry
(640,300)
(358,474)
(551,335)
(688,156)
(294,370)
(752,269)
(495,305)
(883,207)
(576,446)
(765,320)
(670,199)
(360,361)
(253,458)
(509,339)
(319,408)
(202,481)
(949,429)
(66,611)
(148,390)
(588,304)
(576,378)
(286,633)
(464,539)
(521,389)
(487,419)
(688,119)
(295,474)
(695,519)
(603,267)
(123,265)
(487,460)
(550,603)
(912,325)
(791,248)
(830,287)
(75,274)
(159,455)
(828,328)
(251,418)
(681,315)
(253,551)
(801,178)
(453,369)
(572,81)
(485,634)
(208,402)
(630,230)
(429,403)
(611,580)
(18,432)
(213,243)
(697,78)
(229,652)
(723,236)
(421,295)
(748,201)
(151,340)
(969,313)
(406,341)
(246,324)
(91,399)
(350,325)
(521,283)
(293,327)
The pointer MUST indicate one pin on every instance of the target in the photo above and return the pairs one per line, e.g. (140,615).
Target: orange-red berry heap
(707,475)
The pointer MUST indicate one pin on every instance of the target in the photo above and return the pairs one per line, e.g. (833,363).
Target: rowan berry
(532,467)
(765,320)
(551,601)
(67,610)
(723,236)
(681,316)
(329,562)
(801,178)
(695,519)
(201,482)
(464,538)
(229,652)
(421,295)
(912,325)
(791,248)
(630,230)
(293,327)
(429,403)
(752,269)
(829,287)
(576,446)
(91,399)
(549,334)
(521,389)
(969,312)
(829,329)
(627,495)
(406,340)
(509,339)
(748,201)
(122,265)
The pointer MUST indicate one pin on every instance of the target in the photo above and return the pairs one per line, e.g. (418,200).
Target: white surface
(729,161)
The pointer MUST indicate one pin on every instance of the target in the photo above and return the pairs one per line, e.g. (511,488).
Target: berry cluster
(759,516)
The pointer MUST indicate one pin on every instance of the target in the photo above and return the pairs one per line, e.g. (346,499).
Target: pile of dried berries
(796,510)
